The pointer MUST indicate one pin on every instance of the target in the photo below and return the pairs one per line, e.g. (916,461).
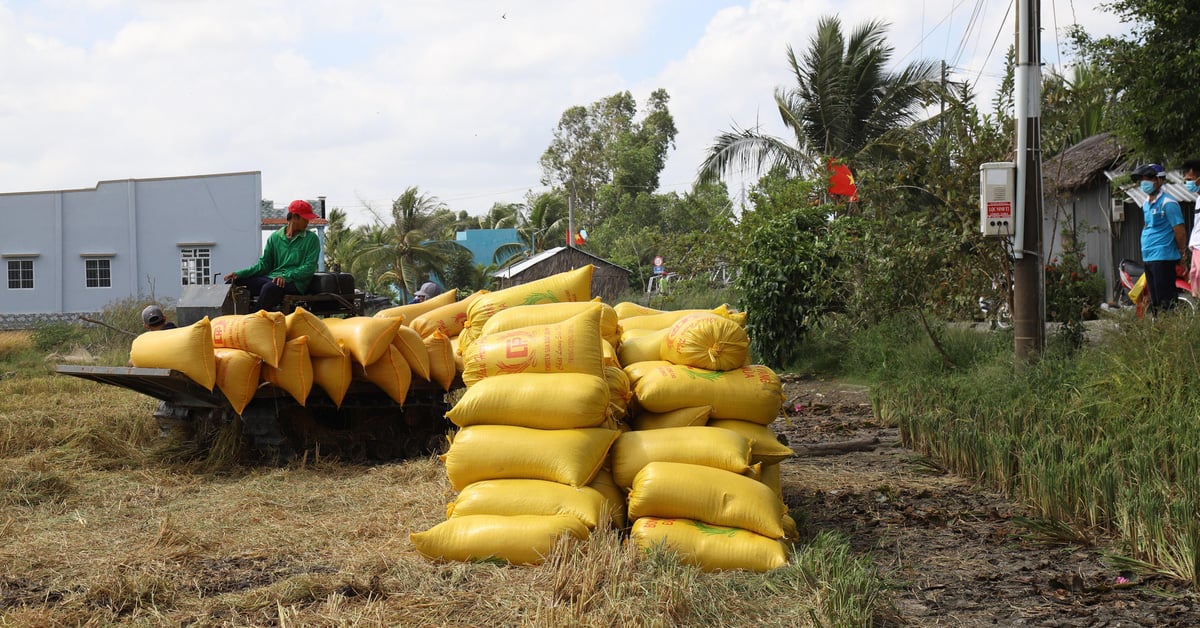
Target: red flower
(1092,268)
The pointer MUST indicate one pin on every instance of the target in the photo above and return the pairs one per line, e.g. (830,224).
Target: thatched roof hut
(1082,165)
(609,281)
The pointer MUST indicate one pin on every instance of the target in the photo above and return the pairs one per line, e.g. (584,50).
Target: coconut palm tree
(844,101)
(407,251)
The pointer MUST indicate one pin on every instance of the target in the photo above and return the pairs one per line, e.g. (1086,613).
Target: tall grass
(1105,440)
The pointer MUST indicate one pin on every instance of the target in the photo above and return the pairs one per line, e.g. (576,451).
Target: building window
(98,273)
(20,274)
(196,265)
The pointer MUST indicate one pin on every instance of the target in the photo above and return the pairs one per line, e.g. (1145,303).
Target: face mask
(1191,186)
(1148,187)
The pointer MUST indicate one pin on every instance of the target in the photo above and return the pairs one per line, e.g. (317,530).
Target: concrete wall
(139,225)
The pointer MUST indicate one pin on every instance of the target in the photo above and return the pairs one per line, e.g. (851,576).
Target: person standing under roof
(1164,238)
(287,263)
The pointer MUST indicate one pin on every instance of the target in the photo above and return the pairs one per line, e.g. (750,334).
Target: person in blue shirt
(1164,238)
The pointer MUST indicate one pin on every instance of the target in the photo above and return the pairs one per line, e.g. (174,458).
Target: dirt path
(953,552)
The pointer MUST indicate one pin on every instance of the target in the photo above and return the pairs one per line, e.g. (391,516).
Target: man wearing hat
(287,263)
(428,290)
(153,319)
(1164,238)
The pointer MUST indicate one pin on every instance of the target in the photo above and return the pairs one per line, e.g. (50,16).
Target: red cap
(302,209)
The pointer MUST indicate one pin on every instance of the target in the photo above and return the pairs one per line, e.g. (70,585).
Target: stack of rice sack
(701,466)
(438,323)
(532,419)
(238,353)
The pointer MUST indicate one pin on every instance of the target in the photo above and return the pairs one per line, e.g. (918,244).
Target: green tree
(413,246)
(843,103)
(604,146)
(1152,67)
(337,234)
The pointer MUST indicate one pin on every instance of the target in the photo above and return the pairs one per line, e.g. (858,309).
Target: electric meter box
(997,198)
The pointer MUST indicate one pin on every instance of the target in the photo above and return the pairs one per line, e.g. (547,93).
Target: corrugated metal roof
(524,265)
(1173,186)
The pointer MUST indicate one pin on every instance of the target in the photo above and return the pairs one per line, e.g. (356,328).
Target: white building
(69,252)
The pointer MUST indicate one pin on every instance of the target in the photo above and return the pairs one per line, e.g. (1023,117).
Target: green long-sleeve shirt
(293,259)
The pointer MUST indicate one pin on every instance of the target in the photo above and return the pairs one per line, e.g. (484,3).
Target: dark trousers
(269,294)
(1160,281)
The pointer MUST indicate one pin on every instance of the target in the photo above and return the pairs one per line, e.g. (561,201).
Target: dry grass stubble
(102,534)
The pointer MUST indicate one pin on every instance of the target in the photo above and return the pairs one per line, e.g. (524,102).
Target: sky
(357,100)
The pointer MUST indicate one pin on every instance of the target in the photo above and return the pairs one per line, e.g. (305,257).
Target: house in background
(483,243)
(609,281)
(1079,201)
(72,252)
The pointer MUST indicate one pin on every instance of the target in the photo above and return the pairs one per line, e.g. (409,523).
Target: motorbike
(1131,271)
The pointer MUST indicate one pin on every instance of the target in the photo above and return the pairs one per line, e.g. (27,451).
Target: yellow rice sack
(751,393)
(630,334)
(645,347)
(520,539)
(259,333)
(321,342)
(676,490)
(628,309)
(237,375)
(610,354)
(572,285)
(366,338)
(188,350)
(333,375)
(772,477)
(614,497)
(412,310)
(637,370)
(448,319)
(441,359)
(570,346)
(706,341)
(550,401)
(709,547)
(666,319)
(683,417)
(548,313)
(391,374)
(412,347)
(619,392)
(529,497)
(708,446)
(295,371)
(498,452)
(764,444)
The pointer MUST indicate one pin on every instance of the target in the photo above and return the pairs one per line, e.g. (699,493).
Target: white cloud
(357,100)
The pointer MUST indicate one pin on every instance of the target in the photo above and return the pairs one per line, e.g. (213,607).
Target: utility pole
(1029,303)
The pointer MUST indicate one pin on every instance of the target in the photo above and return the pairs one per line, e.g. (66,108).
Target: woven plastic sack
(614,497)
(629,309)
(708,446)
(751,393)
(391,374)
(637,370)
(321,342)
(498,452)
(645,347)
(410,311)
(666,319)
(547,313)
(259,333)
(548,401)
(529,497)
(412,347)
(237,376)
(188,350)
(619,392)
(333,375)
(764,444)
(709,547)
(675,490)
(442,369)
(448,319)
(572,285)
(295,372)
(366,338)
(706,341)
(572,345)
(683,417)
(520,540)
